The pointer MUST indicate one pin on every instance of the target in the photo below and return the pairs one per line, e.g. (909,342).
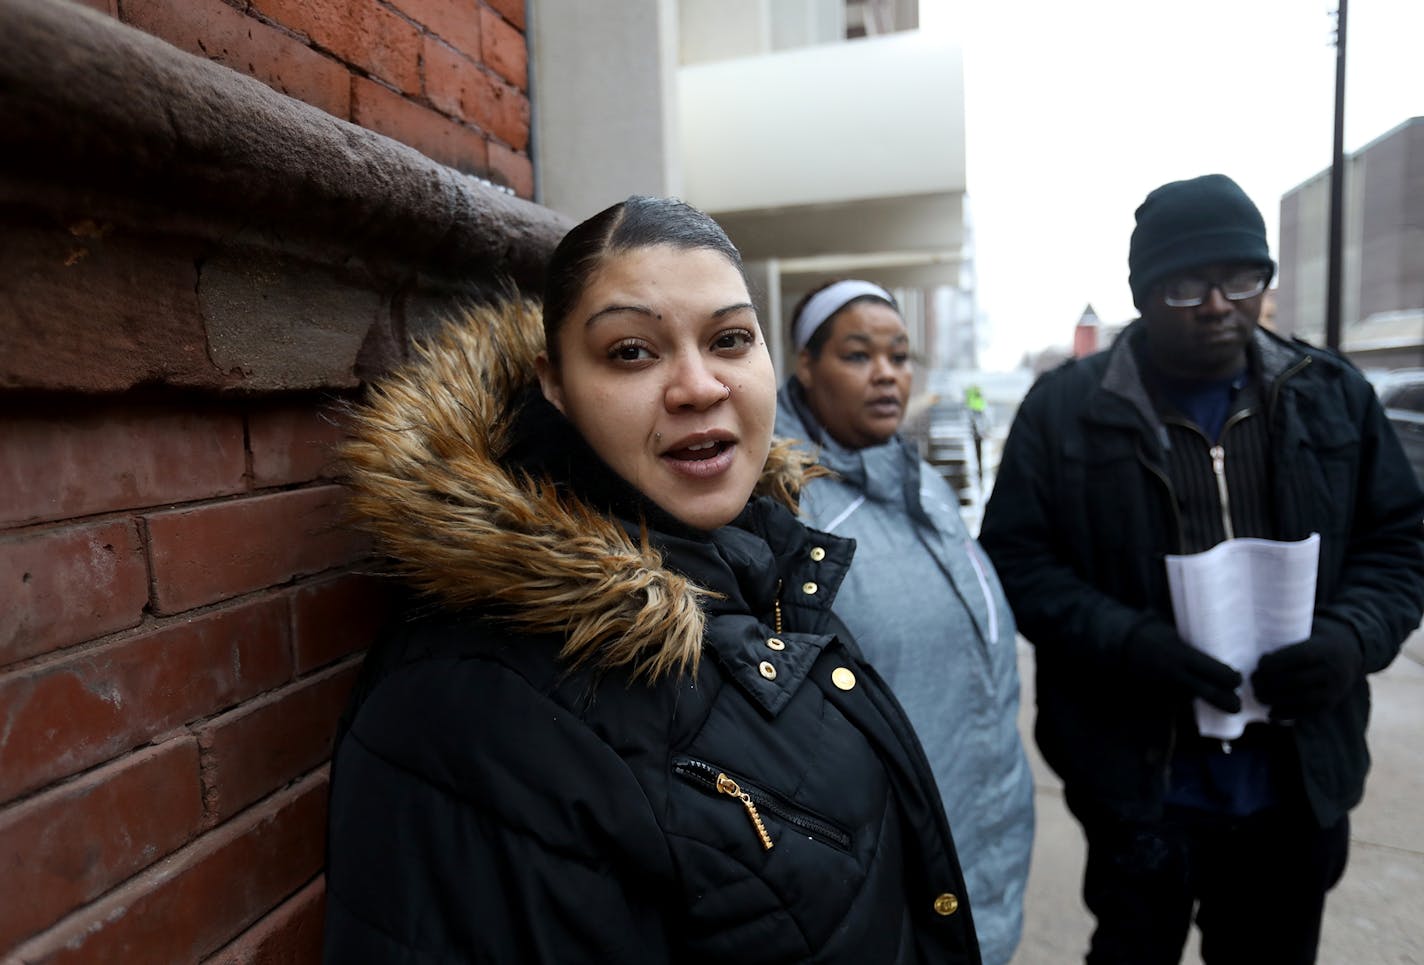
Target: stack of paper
(1239,600)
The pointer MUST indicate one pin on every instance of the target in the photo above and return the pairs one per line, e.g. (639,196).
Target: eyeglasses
(1189,291)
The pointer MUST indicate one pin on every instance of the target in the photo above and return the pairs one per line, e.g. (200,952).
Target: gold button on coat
(946,904)
(809,588)
(767,670)
(843,678)
(775,644)
(818,554)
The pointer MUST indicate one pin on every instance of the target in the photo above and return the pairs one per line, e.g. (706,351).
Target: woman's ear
(803,368)
(549,381)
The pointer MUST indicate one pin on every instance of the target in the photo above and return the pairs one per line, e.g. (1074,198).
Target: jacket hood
(448,469)
(886,473)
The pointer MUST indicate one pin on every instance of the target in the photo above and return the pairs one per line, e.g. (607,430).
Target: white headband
(827,302)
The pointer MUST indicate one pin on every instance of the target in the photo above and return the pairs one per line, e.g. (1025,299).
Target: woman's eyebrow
(645,310)
(740,306)
(611,309)
(861,338)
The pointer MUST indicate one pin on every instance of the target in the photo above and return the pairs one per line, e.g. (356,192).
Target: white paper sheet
(1237,601)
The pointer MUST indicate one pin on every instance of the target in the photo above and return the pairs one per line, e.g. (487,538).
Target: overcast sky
(1075,110)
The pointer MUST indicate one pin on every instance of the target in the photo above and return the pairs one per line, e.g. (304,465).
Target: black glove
(1311,676)
(1157,654)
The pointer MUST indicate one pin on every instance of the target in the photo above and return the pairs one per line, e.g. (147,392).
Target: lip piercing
(657,437)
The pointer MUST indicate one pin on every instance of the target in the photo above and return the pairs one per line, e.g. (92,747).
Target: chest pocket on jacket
(765,809)
(1327,477)
(810,783)
(1103,495)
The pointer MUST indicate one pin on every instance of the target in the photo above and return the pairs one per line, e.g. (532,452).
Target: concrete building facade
(788,121)
(1382,316)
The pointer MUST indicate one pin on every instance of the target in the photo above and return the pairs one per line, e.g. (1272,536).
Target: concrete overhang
(927,224)
(888,269)
(876,118)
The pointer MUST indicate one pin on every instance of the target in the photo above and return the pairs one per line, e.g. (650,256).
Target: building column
(604,84)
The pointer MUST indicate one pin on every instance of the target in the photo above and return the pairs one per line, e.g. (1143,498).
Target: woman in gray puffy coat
(921,598)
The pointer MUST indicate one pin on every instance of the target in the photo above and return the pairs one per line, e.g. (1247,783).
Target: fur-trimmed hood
(433,478)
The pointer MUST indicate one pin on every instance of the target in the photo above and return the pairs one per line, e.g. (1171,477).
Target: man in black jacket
(1197,427)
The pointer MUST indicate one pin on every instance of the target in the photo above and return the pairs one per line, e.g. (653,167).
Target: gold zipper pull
(730,787)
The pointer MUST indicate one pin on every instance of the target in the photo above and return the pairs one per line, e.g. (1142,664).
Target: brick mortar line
(57,786)
(152,622)
(232,947)
(176,855)
(8,531)
(423,99)
(189,729)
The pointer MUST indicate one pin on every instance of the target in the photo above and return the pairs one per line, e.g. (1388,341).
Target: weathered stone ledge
(167,221)
(98,104)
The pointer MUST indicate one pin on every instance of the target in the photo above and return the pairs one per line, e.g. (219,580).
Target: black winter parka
(1083,515)
(494,800)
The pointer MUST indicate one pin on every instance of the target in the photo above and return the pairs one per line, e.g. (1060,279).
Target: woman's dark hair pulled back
(639,222)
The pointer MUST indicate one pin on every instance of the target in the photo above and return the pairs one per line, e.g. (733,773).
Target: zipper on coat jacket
(972,551)
(1218,469)
(754,800)
(730,787)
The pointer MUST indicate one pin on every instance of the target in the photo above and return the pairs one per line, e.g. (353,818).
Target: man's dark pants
(1258,884)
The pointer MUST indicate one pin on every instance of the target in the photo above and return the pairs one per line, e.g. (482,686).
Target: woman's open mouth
(701,459)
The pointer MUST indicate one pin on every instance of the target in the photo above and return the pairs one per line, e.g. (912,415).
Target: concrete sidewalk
(1375,916)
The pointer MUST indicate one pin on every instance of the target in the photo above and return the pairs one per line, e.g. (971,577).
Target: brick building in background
(206,241)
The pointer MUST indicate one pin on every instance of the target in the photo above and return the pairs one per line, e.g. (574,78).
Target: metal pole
(1334,293)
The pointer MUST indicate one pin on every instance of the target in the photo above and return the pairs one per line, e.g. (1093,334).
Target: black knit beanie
(1190,224)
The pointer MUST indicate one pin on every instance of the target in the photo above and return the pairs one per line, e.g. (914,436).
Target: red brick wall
(447,77)
(182,611)
(181,620)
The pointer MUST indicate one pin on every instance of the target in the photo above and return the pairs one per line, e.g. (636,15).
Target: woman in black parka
(617,721)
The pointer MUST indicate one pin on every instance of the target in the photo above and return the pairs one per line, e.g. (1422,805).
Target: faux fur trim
(424,472)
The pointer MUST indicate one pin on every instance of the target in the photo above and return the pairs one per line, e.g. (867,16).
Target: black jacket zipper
(705,777)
